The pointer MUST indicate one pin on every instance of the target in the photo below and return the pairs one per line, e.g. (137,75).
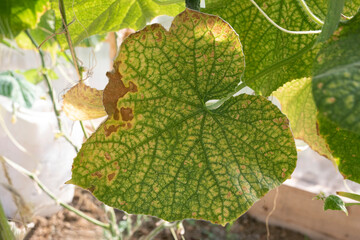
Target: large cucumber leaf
(161,151)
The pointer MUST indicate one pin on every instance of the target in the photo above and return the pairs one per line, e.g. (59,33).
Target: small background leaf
(333,202)
(82,102)
(43,30)
(35,76)
(162,152)
(98,17)
(20,91)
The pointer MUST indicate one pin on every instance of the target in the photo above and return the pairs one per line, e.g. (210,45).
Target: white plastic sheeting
(45,155)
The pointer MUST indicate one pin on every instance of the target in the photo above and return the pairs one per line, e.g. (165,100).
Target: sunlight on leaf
(16,16)
(82,102)
(161,152)
(98,17)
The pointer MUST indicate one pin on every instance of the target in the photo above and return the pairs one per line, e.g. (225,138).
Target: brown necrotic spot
(116,165)
(107,156)
(111,176)
(92,188)
(111,129)
(114,90)
(97,174)
(126,114)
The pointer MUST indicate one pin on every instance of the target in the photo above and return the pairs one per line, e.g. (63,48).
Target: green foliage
(5,231)
(98,17)
(162,151)
(35,75)
(44,29)
(336,77)
(273,57)
(344,146)
(15,87)
(333,202)
(16,16)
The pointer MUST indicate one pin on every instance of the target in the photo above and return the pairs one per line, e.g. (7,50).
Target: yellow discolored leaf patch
(82,102)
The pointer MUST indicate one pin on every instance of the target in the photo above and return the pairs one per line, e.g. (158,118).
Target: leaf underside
(82,102)
(161,152)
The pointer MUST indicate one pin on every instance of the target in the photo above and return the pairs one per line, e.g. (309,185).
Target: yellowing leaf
(162,152)
(82,102)
(298,104)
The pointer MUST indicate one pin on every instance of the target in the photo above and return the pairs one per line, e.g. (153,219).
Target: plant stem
(310,13)
(279,27)
(83,129)
(52,196)
(352,196)
(68,38)
(158,229)
(51,90)
(112,221)
(173,233)
(193,4)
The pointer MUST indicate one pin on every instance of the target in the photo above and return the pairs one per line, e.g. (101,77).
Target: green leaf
(344,146)
(19,15)
(44,29)
(15,87)
(273,57)
(5,231)
(336,77)
(332,19)
(35,76)
(298,104)
(333,202)
(98,17)
(161,151)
